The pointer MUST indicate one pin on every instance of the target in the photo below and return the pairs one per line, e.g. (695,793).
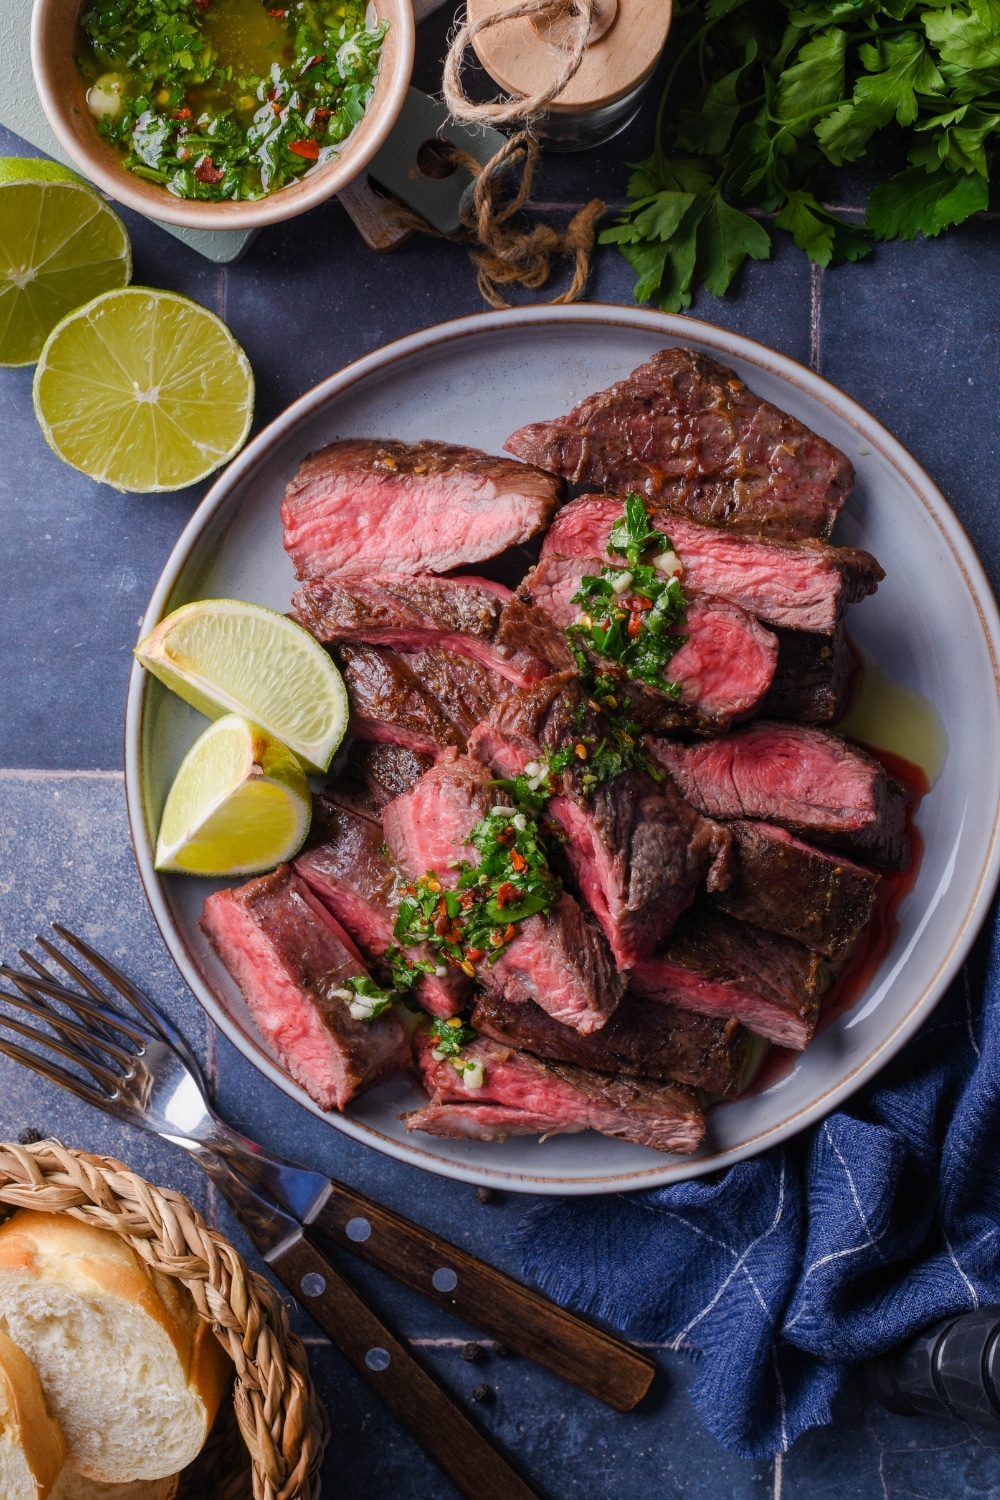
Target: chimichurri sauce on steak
(227,99)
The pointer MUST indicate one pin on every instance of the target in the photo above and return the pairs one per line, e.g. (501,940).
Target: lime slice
(225,656)
(60,246)
(143,390)
(239,804)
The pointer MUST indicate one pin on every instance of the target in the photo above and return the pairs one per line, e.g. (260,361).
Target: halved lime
(144,390)
(240,804)
(60,246)
(227,656)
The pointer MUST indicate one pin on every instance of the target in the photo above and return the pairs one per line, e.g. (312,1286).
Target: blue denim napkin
(780,1271)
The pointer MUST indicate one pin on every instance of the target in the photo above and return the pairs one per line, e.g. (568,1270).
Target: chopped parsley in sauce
(628,614)
(227,99)
(449,1037)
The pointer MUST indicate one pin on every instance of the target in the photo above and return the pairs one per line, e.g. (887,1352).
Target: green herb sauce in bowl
(227,100)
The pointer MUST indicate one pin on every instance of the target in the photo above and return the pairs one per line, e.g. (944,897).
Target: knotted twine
(505,252)
(282,1423)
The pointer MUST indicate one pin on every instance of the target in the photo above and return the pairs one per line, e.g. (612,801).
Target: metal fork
(142,1070)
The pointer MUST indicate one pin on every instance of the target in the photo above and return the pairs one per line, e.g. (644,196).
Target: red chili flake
(510,932)
(466,900)
(505,836)
(312,63)
(442,924)
(518,861)
(506,893)
(455,935)
(280,14)
(475,954)
(324,114)
(207,171)
(203,4)
(634,626)
(308,149)
(639,601)
(182,114)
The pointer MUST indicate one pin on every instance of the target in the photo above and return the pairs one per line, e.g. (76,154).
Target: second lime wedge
(227,656)
(239,804)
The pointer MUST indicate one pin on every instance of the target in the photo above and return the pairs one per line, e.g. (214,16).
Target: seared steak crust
(421,700)
(368,505)
(643,1038)
(521,1095)
(687,434)
(289,956)
(807,780)
(722,967)
(812,682)
(823,900)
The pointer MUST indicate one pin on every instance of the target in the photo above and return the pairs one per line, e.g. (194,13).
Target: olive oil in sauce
(886,716)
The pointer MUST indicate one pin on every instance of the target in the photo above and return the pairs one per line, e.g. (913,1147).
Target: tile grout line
(815,284)
(13,773)
(779,1474)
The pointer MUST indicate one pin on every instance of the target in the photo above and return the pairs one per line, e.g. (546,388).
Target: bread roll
(131,1371)
(32,1448)
(70,1486)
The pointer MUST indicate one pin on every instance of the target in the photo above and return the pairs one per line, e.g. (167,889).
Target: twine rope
(283,1425)
(519,108)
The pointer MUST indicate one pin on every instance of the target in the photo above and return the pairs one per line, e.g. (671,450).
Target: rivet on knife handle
(596,1362)
(466,1453)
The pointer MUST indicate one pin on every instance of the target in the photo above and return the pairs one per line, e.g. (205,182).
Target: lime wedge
(60,245)
(143,390)
(225,656)
(239,804)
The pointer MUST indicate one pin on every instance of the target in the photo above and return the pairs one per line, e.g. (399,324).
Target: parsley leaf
(917,202)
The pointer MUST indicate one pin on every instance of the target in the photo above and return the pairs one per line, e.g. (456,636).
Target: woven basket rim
(281,1419)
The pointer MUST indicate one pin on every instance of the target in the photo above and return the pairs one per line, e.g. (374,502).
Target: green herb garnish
(449,1038)
(365,999)
(628,614)
(784,91)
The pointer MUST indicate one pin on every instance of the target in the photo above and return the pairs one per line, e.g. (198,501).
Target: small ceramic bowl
(62,92)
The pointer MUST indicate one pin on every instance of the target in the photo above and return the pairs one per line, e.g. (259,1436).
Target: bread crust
(40,1435)
(92,1262)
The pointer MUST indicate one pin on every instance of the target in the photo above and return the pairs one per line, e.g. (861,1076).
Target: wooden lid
(623,50)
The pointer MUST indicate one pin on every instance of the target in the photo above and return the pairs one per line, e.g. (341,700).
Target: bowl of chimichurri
(222,114)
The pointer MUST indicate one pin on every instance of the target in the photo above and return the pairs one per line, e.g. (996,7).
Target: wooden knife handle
(596,1362)
(466,1453)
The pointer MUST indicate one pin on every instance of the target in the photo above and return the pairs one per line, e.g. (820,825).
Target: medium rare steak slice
(374,773)
(688,435)
(721,967)
(364,506)
(413,611)
(725,667)
(822,899)
(346,868)
(521,1095)
(423,701)
(812,683)
(291,960)
(643,1038)
(805,779)
(558,959)
(803,585)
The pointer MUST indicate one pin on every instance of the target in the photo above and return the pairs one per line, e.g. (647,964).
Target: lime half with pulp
(227,656)
(144,390)
(60,245)
(240,804)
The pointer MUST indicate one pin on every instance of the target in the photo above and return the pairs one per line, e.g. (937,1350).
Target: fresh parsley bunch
(787,90)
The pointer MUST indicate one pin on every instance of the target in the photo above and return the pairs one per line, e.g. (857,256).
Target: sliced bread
(70,1486)
(133,1374)
(32,1447)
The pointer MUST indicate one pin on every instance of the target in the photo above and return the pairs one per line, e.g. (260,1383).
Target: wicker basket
(269,1442)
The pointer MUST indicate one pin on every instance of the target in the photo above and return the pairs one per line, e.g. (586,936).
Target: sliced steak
(559,959)
(373,774)
(643,1038)
(364,506)
(803,585)
(823,900)
(290,957)
(346,867)
(412,611)
(807,780)
(521,1095)
(688,435)
(423,701)
(721,967)
(812,683)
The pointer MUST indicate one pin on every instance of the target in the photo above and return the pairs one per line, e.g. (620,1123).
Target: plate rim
(302,410)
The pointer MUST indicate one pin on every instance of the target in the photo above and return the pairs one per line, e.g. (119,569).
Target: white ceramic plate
(933,626)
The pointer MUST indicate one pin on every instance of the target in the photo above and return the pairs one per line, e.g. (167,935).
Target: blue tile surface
(912,333)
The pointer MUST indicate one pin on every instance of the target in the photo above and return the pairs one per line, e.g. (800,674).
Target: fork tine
(55,1074)
(102,1022)
(129,992)
(71,1054)
(54,1017)
(48,976)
